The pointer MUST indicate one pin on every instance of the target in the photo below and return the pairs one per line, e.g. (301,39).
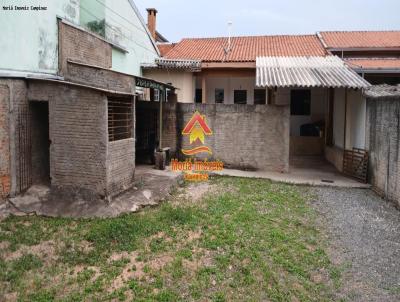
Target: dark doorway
(146,131)
(39,112)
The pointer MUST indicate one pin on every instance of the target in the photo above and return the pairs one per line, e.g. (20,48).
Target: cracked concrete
(151,187)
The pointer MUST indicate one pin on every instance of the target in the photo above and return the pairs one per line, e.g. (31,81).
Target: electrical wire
(122,17)
(118,33)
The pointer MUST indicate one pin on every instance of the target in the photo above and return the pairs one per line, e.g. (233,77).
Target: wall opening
(40,142)
(307,122)
(147,119)
(120,118)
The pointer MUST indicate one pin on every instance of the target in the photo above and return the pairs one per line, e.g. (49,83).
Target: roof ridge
(360,31)
(251,36)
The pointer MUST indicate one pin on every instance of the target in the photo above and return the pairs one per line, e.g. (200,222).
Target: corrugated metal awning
(327,71)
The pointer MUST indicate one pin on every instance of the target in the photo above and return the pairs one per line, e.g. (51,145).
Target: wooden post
(164,95)
(203,89)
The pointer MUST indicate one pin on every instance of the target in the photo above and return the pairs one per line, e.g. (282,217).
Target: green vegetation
(244,240)
(97,27)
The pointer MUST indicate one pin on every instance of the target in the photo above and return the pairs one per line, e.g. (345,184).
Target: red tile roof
(374,63)
(246,49)
(165,48)
(361,39)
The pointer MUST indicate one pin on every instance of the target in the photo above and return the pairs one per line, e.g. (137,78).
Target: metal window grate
(24,150)
(355,164)
(120,118)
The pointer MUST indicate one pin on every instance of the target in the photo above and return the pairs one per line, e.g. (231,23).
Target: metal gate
(24,151)
(355,164)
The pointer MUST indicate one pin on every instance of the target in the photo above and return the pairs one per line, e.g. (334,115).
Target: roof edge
(136,10)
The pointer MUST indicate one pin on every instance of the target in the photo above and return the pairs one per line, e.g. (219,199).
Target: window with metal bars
(120,118)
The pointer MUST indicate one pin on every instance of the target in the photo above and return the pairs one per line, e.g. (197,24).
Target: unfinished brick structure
(383,139)
(56,131)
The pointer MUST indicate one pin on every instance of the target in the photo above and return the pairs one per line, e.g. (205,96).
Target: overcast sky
(208,18)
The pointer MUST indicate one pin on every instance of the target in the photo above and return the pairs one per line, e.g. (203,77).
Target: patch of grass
(255,240)
(13,271)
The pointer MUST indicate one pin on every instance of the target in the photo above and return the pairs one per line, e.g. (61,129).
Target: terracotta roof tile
(374,63)
(246,49)
(165,48)
(361,39)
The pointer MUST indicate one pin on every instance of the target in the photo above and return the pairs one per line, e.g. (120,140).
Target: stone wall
(254,137)
(383,142)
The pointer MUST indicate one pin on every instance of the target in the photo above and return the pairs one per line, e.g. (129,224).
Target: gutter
(363,48)
(377,70)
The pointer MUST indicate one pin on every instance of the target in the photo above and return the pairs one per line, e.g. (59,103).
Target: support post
(345,120)
(164,95)
(203,89)
(329,121)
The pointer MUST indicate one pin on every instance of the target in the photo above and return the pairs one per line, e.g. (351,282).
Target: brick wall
(98,77)
(18,129)
(81,46)
(78,134)
(383,133)
(245,136)
(5,180)
(120,165)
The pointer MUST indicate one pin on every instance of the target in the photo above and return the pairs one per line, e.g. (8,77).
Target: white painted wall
(184,81)
(29,39)
(125,28)
(356,111)
(356,118)
(338,117)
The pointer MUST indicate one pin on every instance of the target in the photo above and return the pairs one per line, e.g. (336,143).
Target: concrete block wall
(252,137)
(383,143)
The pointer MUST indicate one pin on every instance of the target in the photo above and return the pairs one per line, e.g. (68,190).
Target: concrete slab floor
(313,171)
(151,187)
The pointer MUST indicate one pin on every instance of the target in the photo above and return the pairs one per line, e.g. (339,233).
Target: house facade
(327,110)
(375,55)
(68,84)
(229,74)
